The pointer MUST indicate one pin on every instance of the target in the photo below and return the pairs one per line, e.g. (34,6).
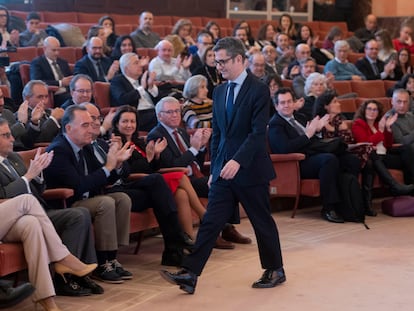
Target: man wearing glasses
(204,40)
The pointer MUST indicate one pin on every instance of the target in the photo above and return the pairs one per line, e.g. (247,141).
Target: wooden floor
(328,267)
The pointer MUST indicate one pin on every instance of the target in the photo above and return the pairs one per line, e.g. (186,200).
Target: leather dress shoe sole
(268,281)
(182,279)
(332,217)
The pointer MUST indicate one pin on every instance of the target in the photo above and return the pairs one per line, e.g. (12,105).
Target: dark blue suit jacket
(41,70)
(65,171)
(123,93)
(243,139)
(85,66)
(365,67)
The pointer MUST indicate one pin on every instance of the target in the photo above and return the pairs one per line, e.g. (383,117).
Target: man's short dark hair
(69,115)
(283,90)
(32,15)
(233,47)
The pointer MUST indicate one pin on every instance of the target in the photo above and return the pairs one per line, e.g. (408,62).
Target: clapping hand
(38,164)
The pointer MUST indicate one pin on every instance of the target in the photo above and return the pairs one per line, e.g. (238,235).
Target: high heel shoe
(62,269)
(45,307)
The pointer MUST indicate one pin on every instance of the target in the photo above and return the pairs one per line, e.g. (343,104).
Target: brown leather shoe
(230,234)
(222,244)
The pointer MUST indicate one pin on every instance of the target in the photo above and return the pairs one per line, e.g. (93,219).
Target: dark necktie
(230,101)
(101,74)
(98,150)
(194,167)
(296,126)
(375,68)
(11,169)
(81,162)
(58,71)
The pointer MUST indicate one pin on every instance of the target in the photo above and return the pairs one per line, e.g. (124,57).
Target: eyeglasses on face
(95,118)
(6,135)
(81,91)
(171,112)
(222,62)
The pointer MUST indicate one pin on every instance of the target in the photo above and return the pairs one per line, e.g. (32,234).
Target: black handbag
(334,145)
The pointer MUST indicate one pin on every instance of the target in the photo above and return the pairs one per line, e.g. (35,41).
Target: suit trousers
(73,225)
(111,217)
(26,221)
(222,200)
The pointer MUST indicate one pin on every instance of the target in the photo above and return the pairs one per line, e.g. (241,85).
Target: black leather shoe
(331,216)
(183,278)
(185,242)
(88,283)
(70,287)
(270,278)
(172,257)
(11,296)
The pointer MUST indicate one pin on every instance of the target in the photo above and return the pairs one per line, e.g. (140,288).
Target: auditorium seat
(93,18)
(60,17)
(162,20)
(368,89)
(23,54)
(354,57)
(342,87)
(348,107)
(102,96)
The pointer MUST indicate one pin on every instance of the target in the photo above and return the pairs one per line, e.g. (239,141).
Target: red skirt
(173,180)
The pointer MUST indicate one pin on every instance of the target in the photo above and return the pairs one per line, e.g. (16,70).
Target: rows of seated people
(166,97)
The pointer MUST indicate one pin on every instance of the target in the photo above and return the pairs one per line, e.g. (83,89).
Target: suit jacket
(67,103)
(41,70)
(85,66)
(123,93)
(365,67)
(283,138)
(65,171)
(11,187)
(243,137)
(172,156)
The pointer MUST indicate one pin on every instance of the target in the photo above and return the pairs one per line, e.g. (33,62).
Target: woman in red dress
(145,159)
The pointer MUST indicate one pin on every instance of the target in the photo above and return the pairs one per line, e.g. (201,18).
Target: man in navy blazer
(52,70)
(95,64)
(372,67)
(240,170)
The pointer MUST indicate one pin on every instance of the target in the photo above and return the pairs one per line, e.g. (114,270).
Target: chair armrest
(287,157)
(57,193)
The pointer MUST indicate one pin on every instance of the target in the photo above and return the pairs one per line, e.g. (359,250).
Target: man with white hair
(340,67)
(143,36)
(137,89)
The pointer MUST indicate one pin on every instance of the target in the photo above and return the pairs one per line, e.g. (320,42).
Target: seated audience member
(214,29)
(270,54)
(108,25)
(52,70)
(74,166)
(257,65)
(372,67)
(7,38)
(334,34)
(81,89)
(405,39)
(302,51)
(250,43)
(407,83)
(95,64)
(274,82)
(287,26)
(305,35)
(266,35)
(11,296)
(73,225)
(25,221)
(372,126)
(97,31)
(403,65)
(37,122)
(209,70)
(127,89)
(241,34)
(307,66)
(288,134)
(197,110)
(149,191)
(386,51)
(285,53)
(367,33)
(204,40)
(167,68)
(33,35)
(143,36)
(340,67)
(123,44)
(185,151)
(183,28)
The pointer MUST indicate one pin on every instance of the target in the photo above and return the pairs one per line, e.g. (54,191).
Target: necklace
(213,81)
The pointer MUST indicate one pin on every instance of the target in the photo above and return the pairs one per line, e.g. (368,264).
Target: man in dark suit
(287,134)
(75,167)
(72,225)
(240,169)
(52,70)
(372,67)
(204,40)
(95,64)
(81,89)
(127,89)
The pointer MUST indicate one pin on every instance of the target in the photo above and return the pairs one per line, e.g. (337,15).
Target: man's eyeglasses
(83,91)
(171,112)
(95,118)
(6,135)
(222,62)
